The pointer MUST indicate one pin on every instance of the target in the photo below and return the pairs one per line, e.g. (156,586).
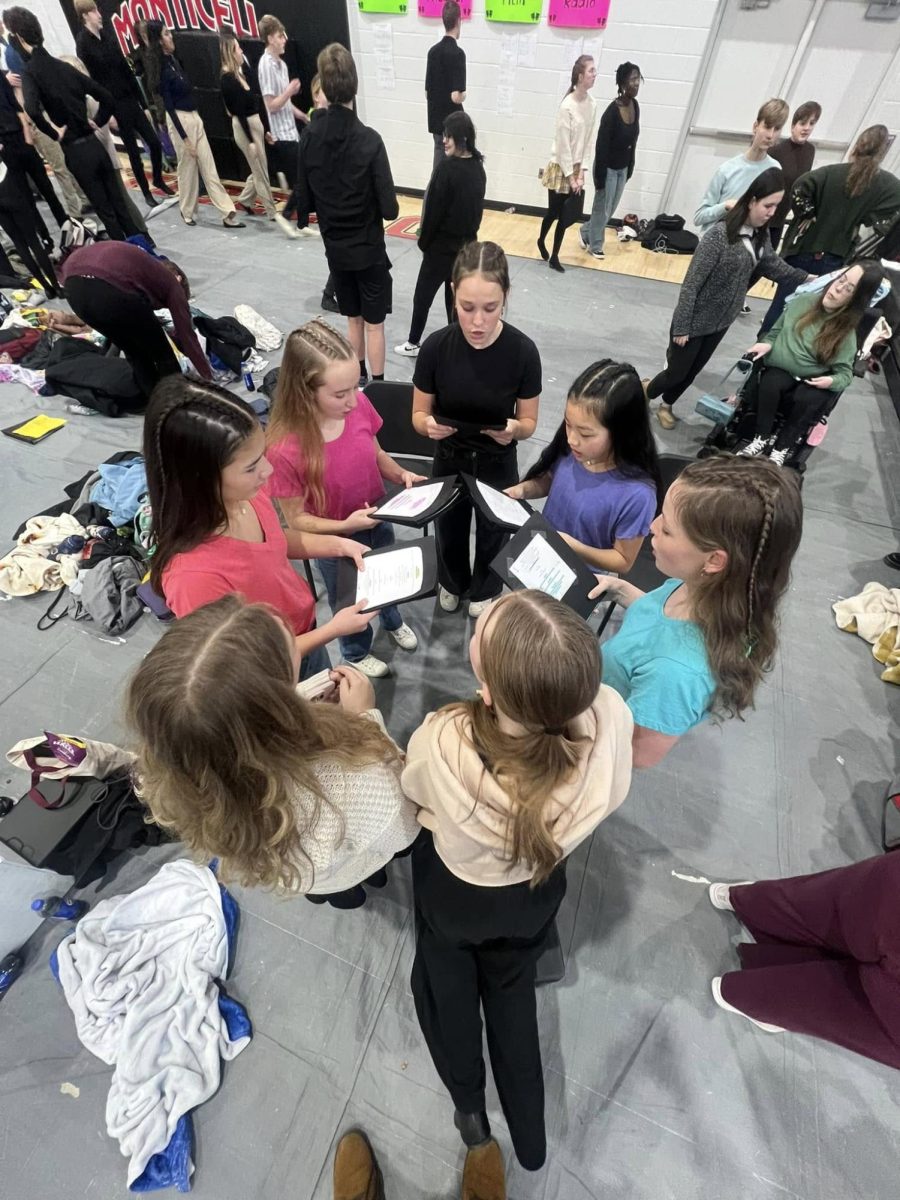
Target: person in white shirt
(563,177)
(278,91)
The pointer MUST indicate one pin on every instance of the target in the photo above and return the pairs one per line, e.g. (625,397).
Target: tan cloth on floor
(191,167)
(875,615)
(257,184)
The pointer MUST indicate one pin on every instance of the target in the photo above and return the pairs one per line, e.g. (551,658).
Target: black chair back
(393,403)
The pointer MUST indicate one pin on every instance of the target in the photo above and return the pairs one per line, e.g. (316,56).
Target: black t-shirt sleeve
(532,380)
(425,373)
(458,71)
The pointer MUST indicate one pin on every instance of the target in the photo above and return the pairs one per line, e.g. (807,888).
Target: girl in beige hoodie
(507,784)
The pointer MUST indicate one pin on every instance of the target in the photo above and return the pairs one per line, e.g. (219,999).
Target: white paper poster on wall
(383,32)
(506,75)
(527,44)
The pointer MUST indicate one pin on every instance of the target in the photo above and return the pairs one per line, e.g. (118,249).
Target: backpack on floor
(666,234)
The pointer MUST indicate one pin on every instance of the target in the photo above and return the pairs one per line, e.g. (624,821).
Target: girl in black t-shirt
(478,371)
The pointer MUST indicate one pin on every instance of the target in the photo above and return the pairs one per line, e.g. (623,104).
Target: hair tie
(555,730)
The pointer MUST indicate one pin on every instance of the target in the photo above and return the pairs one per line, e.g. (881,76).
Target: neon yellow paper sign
(522,12)
(397,7)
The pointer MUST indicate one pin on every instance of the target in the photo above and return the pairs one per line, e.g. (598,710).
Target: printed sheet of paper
(539,566)
(390,577)
(502,506)
(384,54)
(411,501)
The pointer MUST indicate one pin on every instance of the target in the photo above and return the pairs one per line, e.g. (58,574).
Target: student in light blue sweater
(733,177)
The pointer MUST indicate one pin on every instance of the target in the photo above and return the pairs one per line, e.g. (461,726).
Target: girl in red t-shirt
(328,469)
(215,530)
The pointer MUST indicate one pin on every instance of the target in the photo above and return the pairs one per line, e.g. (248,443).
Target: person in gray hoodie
(507,784)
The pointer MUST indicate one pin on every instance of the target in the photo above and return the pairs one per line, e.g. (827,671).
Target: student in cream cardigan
(563,177)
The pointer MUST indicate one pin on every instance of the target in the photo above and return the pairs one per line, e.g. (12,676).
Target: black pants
(565,209)
(22,224)
(128,320)
(800,403)
(133,124)
(98,179)
(283,157)
(476,948)
(26,164)
(452,530)
(434,270)
(683,365)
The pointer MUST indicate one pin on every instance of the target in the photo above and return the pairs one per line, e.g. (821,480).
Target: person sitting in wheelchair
(809,355)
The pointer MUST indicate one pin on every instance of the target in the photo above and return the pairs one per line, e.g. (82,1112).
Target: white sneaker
(753,448)
(447,600)
(745,310)
(371,666)
(597,254)
(310,231)
(404,637)
(720,894)
(477,607)
(407,349)
(723,1003)
(778,457)
(287,227)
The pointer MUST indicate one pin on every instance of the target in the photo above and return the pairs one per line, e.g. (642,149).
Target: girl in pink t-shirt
(215,530)
(328,470)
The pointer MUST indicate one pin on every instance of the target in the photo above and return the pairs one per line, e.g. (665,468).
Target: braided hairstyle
(192,431)
(751,509)
(308,351)
(612,394)
(624,71)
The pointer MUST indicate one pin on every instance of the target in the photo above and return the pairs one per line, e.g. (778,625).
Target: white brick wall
(57,34)
(666,38)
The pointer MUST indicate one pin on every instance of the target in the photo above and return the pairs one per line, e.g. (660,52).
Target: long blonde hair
(542,666)
(307,352)
(228,59)
(228,749)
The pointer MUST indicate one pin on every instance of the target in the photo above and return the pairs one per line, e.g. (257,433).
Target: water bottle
(59,909)
(248,380)
(10,970)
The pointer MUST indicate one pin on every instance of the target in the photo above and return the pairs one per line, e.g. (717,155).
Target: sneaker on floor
(447,600)
(778,457)
(745,310)
(407,349)
(371,666)
(585,242)
(483,1175)
(597,254)
(287,227)
(477,607)
(892,560)
(720,894)
(357,1175)
(329,304)
(666,417)
(723,1003)
(752,449)
(404,637)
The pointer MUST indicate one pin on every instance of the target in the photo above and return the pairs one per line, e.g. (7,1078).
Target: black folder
(445,499)
(475,487)
(425,584)
(555,582)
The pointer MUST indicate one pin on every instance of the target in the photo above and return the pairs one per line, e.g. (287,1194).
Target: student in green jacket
(809,356)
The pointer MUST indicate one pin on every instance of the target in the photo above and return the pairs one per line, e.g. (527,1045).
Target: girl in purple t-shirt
(600,473)
(328,469)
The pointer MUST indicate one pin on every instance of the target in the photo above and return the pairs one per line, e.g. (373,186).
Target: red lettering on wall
(183,14)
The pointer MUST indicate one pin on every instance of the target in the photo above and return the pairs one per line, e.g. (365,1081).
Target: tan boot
(665,416)
(357,1175)
(483,1175)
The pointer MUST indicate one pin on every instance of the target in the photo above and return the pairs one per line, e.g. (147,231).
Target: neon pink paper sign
(578,14)
(433,8)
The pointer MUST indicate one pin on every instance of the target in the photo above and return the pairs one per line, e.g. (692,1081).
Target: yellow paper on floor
(37,427)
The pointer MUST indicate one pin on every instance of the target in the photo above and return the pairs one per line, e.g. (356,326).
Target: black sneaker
(745,310)
(892,560)
(329,303)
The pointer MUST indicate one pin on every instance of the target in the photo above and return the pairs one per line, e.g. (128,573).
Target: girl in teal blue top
(701,643)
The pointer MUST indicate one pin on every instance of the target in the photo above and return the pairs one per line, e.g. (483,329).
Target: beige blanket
(875,615)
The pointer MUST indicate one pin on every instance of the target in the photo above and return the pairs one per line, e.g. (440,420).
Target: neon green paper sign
(522,12)
(397,7)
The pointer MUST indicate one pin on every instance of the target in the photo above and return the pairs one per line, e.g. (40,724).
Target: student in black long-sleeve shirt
(795,155)
(617,136)
(59,90)
(249,124)
(454,205)
(99,51)
(19,216)
(23,161)
(345,178)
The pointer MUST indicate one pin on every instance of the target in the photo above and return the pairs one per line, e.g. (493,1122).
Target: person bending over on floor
(508,784)
(825,956)
(98,48)
(699,645)
(563,177)
(214,528)
(809,355)
(58,90)
(617,136)
(328,469)
(344,176)
(188,134)
(730,253)
(478,371)
(249,124)
(601,470)
(830,204)
(115,288)
(288,794)
(451,217)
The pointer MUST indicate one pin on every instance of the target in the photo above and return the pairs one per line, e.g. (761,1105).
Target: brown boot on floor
(483,1175)
(357,1175)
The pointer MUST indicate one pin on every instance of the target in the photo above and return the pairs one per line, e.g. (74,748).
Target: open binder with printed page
(393,575)
(496,505)
(537,557)
(420,504)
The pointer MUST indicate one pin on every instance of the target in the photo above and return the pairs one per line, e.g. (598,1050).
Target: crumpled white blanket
(26,569)
(870,614)
(139,974)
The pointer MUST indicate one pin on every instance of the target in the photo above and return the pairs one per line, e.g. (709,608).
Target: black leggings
(565,209)
(129,322)
(800,403)
(434,270)
(99,180)
(683,365)
(22,224)
(133,124)
(26,164)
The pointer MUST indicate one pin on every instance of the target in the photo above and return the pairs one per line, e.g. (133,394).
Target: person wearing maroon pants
(826,960)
